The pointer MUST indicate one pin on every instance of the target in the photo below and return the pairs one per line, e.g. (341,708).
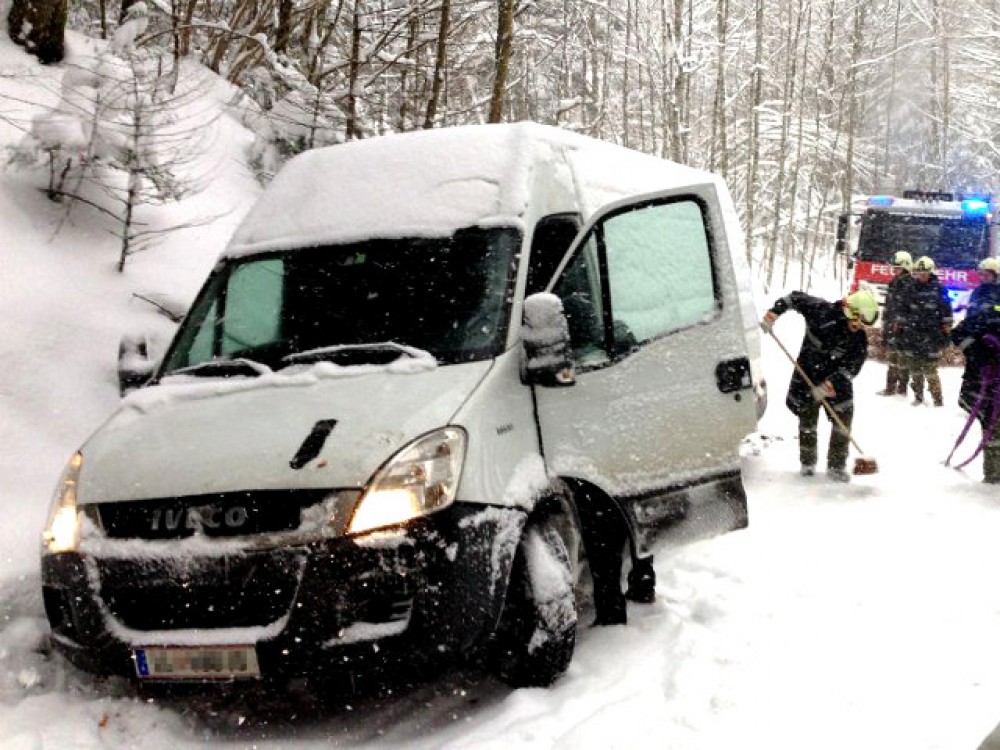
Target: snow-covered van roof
(431,182)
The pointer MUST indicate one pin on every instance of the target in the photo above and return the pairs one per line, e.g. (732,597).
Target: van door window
(579,287)
(203,344)
(551,239)
(659,271)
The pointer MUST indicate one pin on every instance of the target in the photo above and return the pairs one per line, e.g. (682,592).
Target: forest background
(802,105)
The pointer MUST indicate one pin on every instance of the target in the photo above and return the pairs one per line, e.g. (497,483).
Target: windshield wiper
(382,352)
(225,368)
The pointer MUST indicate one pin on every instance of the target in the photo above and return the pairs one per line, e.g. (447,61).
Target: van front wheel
(537,631)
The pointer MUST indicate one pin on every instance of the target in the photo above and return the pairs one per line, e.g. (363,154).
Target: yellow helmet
(925,264)
(863,305)
(902,259)
(990,264)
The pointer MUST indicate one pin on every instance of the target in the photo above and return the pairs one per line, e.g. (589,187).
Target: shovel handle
(812,386)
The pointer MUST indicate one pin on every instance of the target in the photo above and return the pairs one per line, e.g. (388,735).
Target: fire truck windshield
(951,242)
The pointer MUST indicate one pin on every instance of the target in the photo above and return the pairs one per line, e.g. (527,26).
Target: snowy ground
(859,616)
(862,616)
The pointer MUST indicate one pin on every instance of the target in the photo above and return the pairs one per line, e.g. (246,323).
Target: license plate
(182,663)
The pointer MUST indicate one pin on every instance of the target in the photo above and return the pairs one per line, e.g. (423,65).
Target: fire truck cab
(957,231)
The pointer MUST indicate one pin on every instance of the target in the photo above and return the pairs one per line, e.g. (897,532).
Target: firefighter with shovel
(833,350)
(978,336)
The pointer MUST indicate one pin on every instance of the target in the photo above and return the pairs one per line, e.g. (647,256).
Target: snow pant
(991,462)
(896,374)
(836,454)
(605,536)
(921,369)
(991,451)
(607,541)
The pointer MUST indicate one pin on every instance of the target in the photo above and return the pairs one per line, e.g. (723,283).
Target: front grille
(227,592)
(222,514)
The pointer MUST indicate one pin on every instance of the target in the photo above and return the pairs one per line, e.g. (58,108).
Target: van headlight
(420,479)
(63,529)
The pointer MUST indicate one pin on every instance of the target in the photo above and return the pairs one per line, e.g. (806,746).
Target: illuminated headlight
(63,529)
(420,479)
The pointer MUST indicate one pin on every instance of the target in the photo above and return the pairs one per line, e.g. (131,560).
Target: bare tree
(504,50)
(440,61)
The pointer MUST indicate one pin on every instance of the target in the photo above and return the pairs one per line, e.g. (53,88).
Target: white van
(432,375)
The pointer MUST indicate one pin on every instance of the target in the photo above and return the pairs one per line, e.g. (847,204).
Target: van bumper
(353,604)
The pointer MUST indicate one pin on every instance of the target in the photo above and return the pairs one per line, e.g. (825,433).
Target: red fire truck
(957,231)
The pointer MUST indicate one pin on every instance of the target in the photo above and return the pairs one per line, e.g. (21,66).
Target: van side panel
(503,464)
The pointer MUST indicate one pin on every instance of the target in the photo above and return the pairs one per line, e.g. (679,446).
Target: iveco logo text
(204,517)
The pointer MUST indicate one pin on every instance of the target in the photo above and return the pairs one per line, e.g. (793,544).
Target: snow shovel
(862,464)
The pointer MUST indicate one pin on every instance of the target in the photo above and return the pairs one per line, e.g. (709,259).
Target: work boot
(612,614)
(890,383)
(936,395)
(838,474)
(642,582)
(609,606)
(991,464)
(901,388)
(807,470)
(918,399)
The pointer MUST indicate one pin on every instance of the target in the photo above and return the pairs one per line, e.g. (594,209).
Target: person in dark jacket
(922,329)
(833,350)
(986,296)
(896,375)
(978,336)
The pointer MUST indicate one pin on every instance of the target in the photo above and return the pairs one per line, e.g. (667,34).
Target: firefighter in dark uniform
(896,375)
(977,336)
(923,324)
(833,350)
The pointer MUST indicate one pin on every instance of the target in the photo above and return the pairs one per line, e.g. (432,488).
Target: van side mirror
(155,318)
(545,338)
(135,362)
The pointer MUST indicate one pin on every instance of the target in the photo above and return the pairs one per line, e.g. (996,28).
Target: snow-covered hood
(200,436)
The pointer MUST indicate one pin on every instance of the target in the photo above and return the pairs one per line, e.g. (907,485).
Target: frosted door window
(659,270)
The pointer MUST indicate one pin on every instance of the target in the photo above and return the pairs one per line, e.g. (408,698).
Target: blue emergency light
(975,206)
(880,200)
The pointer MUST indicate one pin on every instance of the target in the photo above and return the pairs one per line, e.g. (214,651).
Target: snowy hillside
(65,306)
(862,616)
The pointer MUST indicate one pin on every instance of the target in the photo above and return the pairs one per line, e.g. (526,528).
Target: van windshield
(353,304)
(951,242)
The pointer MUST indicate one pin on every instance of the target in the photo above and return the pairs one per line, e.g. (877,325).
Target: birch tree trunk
(719,154)
(753,147)
(682,51)
(791,65)
(890,102)
(351,129)
(625,81)
(940,81)
(504,47)
(440,60)
(790,237)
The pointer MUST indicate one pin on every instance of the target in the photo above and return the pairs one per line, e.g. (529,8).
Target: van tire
(536,636)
